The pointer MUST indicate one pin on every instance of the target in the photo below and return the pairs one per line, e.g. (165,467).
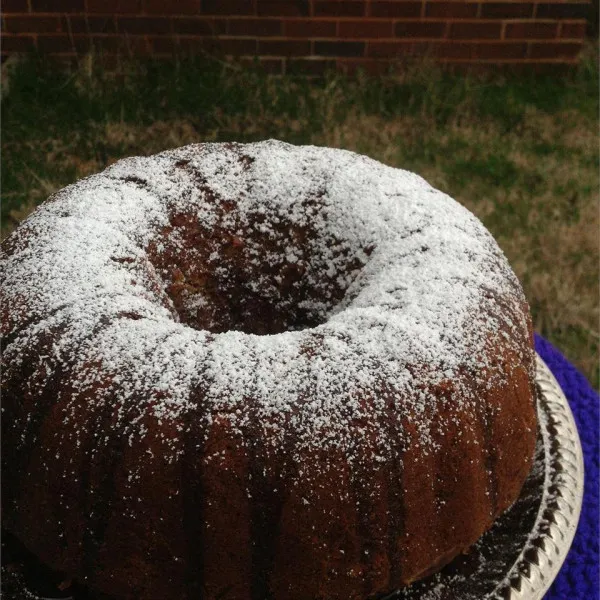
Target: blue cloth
(579,577)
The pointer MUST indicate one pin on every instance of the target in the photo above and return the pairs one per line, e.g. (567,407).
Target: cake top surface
(404,290)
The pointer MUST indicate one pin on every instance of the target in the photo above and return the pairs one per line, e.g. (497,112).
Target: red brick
(228,7)
(15,6)
(554,50)
(84,43)
(235,47)
(199,26)
(396,48)
(475,30)
(501,50)
(307,28)
(455,50)
(459,10)
(524,31)
(194,45)
(114,44)
(573,30)
(127,45)
(283,8)
(420,29)
(31,24)
(55,43)
(339,8)
(110,7)
(339,48)
(309,66)
(162,44)
(571,10)
(365,29)
(67,6)
(143,25)
(506,10)
(284,47)
(87,24)
(172,7)
(257,27)
(479,51)
(17,43)
(392,8)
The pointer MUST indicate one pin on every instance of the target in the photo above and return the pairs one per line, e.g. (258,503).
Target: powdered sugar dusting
(383,288)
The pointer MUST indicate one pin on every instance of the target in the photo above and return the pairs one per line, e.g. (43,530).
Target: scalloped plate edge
(542,556)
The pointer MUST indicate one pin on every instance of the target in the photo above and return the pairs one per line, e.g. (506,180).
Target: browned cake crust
(249,372)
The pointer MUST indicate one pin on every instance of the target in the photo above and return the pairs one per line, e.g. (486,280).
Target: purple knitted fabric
(579,577)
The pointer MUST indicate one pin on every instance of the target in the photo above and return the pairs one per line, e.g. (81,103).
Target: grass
(520,151)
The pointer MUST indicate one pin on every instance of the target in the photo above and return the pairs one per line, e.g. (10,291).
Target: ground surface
(520,151)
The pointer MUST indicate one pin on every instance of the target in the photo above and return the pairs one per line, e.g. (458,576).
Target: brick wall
(307,36)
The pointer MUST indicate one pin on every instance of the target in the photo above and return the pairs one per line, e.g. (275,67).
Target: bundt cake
(252,372)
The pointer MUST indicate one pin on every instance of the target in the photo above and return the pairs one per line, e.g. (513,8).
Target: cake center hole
(261,279)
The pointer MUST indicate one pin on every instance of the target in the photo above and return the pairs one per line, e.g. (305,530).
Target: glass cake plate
(517,559)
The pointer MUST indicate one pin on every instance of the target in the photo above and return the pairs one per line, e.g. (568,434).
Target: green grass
(520,151)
